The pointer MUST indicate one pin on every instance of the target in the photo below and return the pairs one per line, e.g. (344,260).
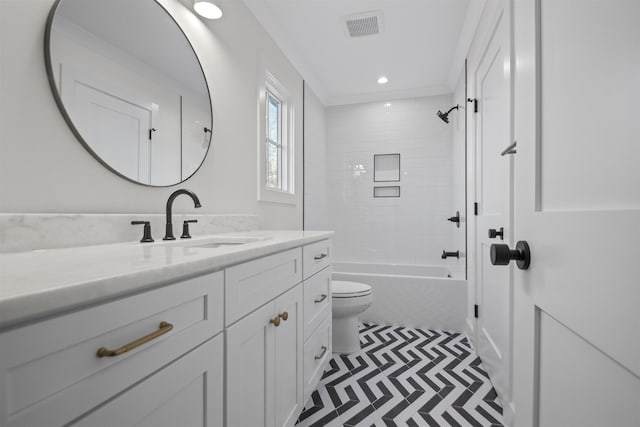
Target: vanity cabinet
(240,347)
(273,364)
(55,372)
(264,347)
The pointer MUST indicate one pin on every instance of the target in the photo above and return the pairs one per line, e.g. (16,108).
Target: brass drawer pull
(284,316)
(324,350)
(322,298)
(163,329)
(319,257)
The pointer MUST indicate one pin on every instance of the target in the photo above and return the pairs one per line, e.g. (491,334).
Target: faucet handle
(185,228)
(446,254)
(146,237)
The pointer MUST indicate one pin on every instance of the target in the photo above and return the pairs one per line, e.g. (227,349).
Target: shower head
(445,116)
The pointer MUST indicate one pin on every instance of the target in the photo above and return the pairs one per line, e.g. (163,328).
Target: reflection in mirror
(130,86)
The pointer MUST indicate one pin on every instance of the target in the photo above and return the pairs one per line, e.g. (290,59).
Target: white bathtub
(410,295)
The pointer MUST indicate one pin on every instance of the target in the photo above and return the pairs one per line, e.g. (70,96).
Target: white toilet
(349,299)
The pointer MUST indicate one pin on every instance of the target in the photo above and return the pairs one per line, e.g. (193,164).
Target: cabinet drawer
(317,353)
(50,370)
(317,300)
(251,284)
(188,392)
(316,256)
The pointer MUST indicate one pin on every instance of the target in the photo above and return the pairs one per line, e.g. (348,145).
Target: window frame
(284,192)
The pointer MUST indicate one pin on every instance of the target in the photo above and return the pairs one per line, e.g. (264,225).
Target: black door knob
(493,233)
(502,255)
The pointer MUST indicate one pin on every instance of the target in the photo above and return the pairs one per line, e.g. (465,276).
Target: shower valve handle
(502,255)
(446,254)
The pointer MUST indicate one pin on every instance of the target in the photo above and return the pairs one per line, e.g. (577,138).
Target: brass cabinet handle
(319,257)
(322,298)
(163,329)
(284,316)
(324,350)
(275,321)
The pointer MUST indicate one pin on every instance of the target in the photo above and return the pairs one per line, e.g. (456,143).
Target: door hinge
(475,208)
(475,104)
(151,133)
(475,311)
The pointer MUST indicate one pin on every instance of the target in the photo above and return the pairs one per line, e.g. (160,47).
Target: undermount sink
(216,242)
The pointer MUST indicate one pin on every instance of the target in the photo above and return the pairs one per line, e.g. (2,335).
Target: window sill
(276,196)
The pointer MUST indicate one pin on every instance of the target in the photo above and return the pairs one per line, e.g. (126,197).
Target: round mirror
(130,86)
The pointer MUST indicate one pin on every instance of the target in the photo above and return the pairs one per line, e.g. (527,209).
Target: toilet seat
(346,289)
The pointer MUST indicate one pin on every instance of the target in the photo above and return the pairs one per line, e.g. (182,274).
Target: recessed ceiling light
(207,9)
(387,104)
(382,80)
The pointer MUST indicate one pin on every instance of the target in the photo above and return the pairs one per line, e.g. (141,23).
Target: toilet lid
(344,289)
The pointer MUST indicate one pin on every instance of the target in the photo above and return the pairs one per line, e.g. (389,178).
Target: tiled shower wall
(405,230)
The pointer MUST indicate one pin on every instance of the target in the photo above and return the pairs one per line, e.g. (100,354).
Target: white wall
(43,168)
(405,230)
(316,216)
(457,121)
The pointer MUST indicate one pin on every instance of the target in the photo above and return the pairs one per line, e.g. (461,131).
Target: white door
(493,135)
(577,203)
(116,129)
(288,358)
(250,373)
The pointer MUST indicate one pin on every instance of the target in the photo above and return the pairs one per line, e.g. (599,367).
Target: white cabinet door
(250,370)
(288,358)
(264,364)
(186,393)
(577,203)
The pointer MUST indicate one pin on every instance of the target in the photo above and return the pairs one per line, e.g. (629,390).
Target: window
(276,151)
(276,143)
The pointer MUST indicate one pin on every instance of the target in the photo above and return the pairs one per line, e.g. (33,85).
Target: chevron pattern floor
(405,377)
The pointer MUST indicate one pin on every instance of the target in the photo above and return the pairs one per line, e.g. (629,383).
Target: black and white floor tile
(405,377)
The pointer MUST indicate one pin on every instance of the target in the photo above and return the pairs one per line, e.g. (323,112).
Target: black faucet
(172,197)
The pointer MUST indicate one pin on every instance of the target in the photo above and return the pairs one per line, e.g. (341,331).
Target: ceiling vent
(363,24)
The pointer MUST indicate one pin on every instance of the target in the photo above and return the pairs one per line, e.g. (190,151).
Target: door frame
(492,14)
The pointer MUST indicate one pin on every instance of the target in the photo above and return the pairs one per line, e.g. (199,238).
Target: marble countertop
(40,283)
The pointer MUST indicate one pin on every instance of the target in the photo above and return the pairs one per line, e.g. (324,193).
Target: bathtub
(419,296)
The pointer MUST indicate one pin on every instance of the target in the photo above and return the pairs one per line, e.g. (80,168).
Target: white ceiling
(421,48)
